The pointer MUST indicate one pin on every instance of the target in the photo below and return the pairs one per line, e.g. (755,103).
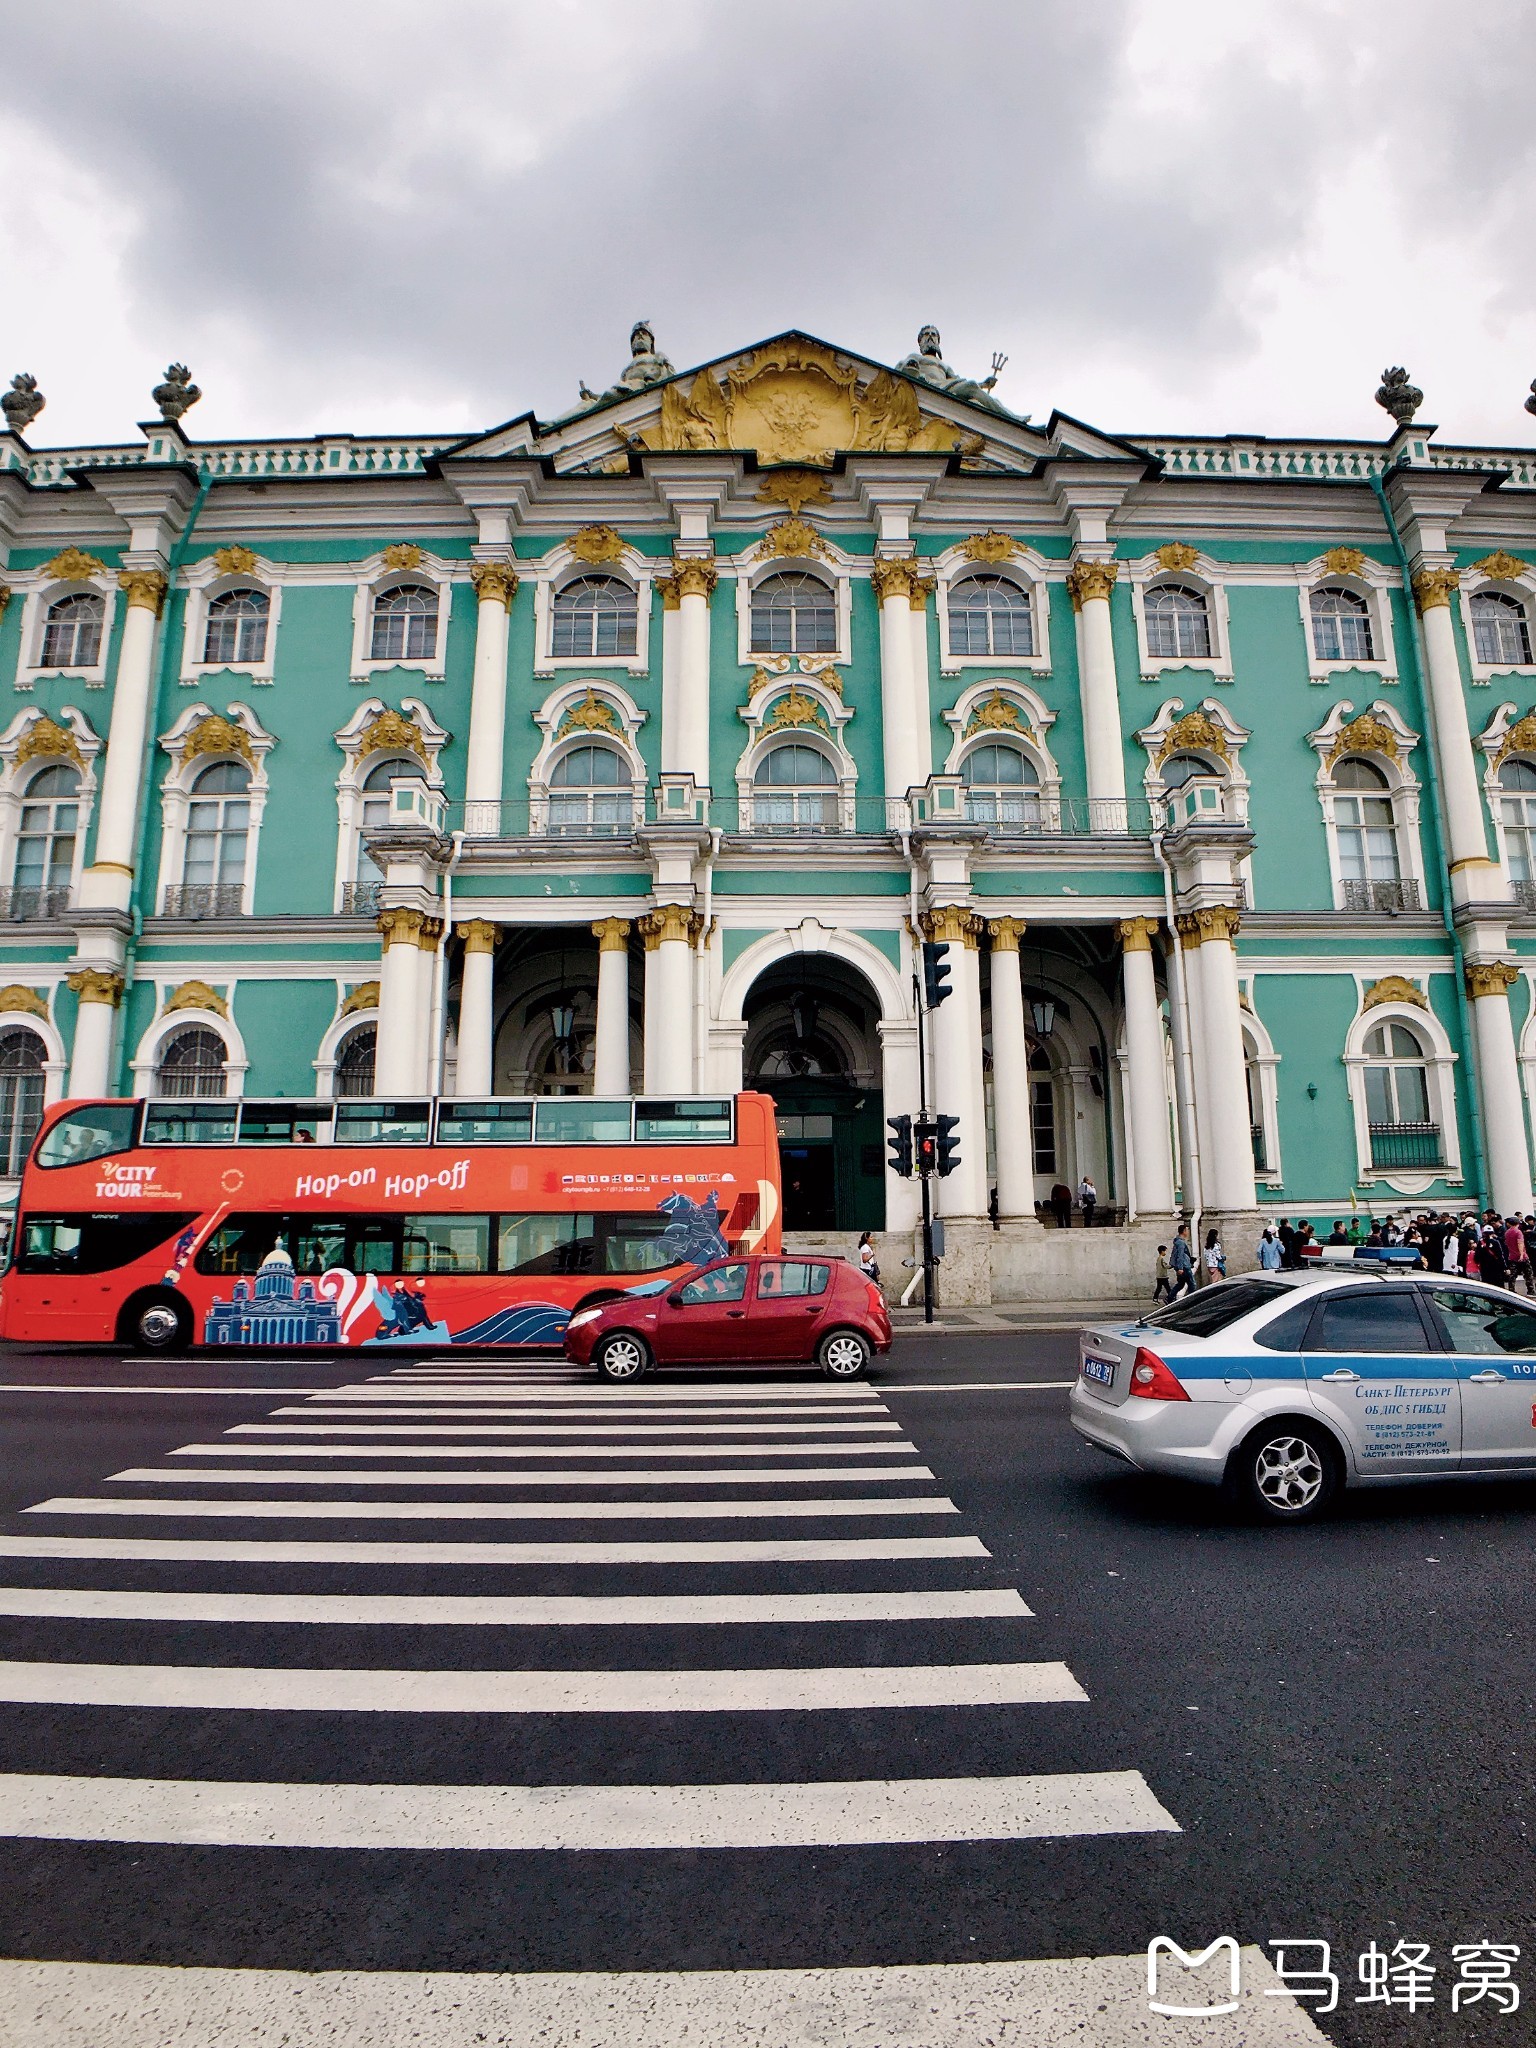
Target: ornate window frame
(595,551)
(793,545)
(585,711)
(1378,735)
(357,1006)
(1502,575)
(71,573)
(1351,569)
(34,739)
(200,737)
(1259,1053)
(1209,729)
(23,1008)
(403,562)
(994,554)
(1393,999)
(796,708)
(1002,709)
(1176,562)
(375,730)
(191,1005)
(227,569)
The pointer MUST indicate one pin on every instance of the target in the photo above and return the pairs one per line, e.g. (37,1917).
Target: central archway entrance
(812,1044)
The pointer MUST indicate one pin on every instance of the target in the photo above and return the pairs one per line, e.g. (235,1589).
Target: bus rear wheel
(156,1322)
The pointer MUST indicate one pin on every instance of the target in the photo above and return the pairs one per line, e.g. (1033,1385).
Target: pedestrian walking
(1517,1252)
(1181,1262)
(1492,1260)
(1061,1205)
(1088,1200)
(1269,1251)
(869,1265)
(1162,1289)
(1215,1258)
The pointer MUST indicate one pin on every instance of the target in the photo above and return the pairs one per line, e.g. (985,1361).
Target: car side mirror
(674,1301)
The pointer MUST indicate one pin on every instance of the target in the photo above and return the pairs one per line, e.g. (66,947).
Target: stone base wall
(1023,1261)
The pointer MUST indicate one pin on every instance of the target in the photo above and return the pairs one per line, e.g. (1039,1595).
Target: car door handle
(1343,1373)
(814,1311)
(1489,1378)
(735,1311)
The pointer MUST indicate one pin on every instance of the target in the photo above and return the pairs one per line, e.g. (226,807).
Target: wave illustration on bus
(381,1225)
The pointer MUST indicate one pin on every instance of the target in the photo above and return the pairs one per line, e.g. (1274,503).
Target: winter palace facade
(636,750)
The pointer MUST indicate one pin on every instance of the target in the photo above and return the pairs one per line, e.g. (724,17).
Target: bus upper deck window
(658,1122)
(89,1134)
(285,1123)
(360,1122)
(578,1120)
(485,1123)
(208,1122)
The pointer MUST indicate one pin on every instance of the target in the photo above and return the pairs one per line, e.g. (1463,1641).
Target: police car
(1285,1387)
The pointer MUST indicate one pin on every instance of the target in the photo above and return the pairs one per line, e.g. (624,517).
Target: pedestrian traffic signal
(947,1142)
(936,988)
(925,1146)
(900,1142)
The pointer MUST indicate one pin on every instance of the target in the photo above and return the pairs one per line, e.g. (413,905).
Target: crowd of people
(1495,1249)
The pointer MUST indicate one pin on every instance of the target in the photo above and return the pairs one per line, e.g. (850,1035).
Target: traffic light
(947,1143)
(925,1146)
(900,1143)
(936,988)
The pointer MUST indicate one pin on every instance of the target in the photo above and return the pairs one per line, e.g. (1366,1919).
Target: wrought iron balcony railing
(360,899)
(1412,1146)
(1006,816)
(1524,894)
(204,899)
(27,903)
(1394,895)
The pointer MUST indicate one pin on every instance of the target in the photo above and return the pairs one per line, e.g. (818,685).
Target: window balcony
(1524,894)
(204,899)
(1392,896)
(360,899)
(25,903)
(1202,800)
(1414,1148)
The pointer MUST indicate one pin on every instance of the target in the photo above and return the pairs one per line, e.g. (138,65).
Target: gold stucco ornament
(495,580)
(1432,587)
(74,565)
(795,488)
(364,997)
(1366,734)
(589,714)
(1195,732)
(402,554)
(95,985)
(795,708)
(1490,978)
(22,1001)
(1394,988)
(596,544)
(393,732)
(1344,562)
(792,536)
(144,588)
(44,739)
(996,713)
(1502,567)
(195,995)
(1089,580)
(1178,554)
(1520,739)
(234,560)
(215,735)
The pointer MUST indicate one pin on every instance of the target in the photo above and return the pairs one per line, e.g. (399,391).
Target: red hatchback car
(748,1311)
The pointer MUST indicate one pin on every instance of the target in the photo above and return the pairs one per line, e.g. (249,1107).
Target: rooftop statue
(22,403)
(928,366)
(644,368)
(1398,397)
(176,394)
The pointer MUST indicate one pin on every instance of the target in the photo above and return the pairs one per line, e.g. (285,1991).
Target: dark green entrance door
(830,1154)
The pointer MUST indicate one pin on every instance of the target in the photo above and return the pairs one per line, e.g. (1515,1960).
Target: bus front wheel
(156,1322)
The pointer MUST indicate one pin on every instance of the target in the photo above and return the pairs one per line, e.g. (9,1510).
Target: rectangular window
(1042,1117)
(636,1244)
(546,1244)
(89,1134)
(240,1244)
(791,1277)
(485,1123)
(284,1123)
(93,1244)
(657,1122)
(447,1244)
(578,1120)
(316,1243)
(1215,1308)
(382,1123)
(373,1244)
(189,1123)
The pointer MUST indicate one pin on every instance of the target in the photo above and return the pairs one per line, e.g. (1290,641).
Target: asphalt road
(1334,1721)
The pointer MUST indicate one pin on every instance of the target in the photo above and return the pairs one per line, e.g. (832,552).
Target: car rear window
(1217,1308)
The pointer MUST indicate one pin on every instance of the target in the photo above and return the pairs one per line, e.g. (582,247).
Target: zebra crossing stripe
(747,1550)
(784,1475)
(473,1610)
(531,1429)
(532,1451)
(495,1510)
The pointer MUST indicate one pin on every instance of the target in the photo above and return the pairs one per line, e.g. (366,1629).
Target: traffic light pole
(925,1178)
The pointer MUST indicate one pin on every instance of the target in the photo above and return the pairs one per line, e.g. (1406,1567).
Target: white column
(1012,1125)
(1089,584)
(922,701)
(1498,1083)
(1183,1031)
(1226,1146)
(610,1067)
(477,1009)
(1474,877)
(108,882)
(669,932)
(693,579)
(957,1078)
(899,1094)
(400,1058)
(97,994)
(1146,1089)
(893,584)
(495,586)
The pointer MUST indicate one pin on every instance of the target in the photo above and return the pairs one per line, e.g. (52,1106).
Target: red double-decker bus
(359,1222)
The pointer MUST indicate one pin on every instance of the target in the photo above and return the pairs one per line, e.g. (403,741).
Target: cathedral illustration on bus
(640,749)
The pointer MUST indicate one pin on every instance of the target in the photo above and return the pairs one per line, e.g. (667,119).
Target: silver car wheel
(1288,1473)
(622,1358)
(844,1355)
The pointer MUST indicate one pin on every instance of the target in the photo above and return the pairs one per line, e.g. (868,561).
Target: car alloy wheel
(844,1355)
(1288,1473)
(622,1357)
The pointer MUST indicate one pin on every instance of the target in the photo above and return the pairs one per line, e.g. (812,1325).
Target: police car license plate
(1100,1369)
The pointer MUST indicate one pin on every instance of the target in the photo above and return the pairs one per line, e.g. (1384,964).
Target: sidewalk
(1022,1315)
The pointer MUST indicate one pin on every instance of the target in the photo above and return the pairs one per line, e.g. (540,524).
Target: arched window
(795,789)
(1366,825)
(1341,626)
(45,843)
(591,794)
(793,613)
(1178,622)
(1397,1100)
(21,1097)
(1001,787)
(218,831)
(191,1062)
(1181,768)
(355,1061)
(360,897)
(990,615)
(1517,803)
(595,619)
(237,626)
(72,632)
(405,623)
(1500,632)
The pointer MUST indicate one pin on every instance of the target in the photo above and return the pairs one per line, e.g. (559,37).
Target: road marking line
(258,1689)
(96,1387)
(498,1510)
(973,1386)
(562,1817)
(608,1429)
(201,1475)
(861,1395)
(1098,1999)
(747,1550)
(395,1410)
(900,1449)
(565,1610)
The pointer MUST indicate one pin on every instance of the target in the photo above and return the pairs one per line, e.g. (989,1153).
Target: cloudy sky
(1171,214)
